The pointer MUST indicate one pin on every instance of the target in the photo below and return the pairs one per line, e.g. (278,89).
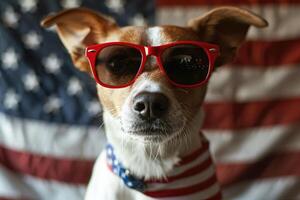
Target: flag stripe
(47,167)
(232,115)
(284,138)
(71,141)
(183,191)
(218,196)
(22,186)
(277,30)
(212,193)
(268,167)
(167,3)
(224,82)
(269,53)
(7,198)
(191,157)
(271,188)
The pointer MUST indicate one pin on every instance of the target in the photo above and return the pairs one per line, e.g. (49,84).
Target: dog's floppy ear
(227,27)
(78,28)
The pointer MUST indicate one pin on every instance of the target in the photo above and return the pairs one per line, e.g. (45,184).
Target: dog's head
(152,108)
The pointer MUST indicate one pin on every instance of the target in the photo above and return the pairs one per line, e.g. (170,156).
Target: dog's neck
(152,160)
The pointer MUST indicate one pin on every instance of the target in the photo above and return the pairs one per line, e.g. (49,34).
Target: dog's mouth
(156,130)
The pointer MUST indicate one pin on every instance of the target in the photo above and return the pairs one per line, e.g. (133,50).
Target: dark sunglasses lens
(117,65)
(186,64)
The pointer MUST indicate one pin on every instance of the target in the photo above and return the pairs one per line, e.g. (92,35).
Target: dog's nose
(150,105)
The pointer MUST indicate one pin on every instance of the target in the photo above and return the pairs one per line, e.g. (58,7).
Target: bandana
(192,178)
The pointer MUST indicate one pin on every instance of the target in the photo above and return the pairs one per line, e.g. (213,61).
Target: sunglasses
(184,63)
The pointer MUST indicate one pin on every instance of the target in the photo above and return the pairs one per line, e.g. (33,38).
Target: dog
(151,82)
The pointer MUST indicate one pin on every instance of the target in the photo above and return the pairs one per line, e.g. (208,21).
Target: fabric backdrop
(50,121)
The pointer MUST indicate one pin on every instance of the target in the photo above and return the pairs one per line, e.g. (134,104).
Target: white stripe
(184,182)
(272,188)
(248,83)
(26,187)
(200,159)
(251,144)
(283,19)
(53,139)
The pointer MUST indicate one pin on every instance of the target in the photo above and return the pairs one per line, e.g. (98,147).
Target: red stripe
(218,196)
(167,3)
(10,198)
(191,157)
(231,115)
(190,172)
(275,165)
(47,167)
(183,191)
(269,53)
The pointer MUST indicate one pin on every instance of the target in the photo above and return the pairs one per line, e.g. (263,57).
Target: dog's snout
(150,105)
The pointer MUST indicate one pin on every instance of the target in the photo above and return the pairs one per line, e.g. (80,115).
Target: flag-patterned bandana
(192,178)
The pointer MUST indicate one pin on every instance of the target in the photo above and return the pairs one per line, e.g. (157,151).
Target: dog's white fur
(155,35)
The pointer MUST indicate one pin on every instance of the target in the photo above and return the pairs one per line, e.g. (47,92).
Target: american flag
(50,121)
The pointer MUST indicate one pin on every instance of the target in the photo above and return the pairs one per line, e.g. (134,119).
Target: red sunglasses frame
(92,51)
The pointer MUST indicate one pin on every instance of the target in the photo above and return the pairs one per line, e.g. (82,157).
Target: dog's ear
(78,28)
(227,27)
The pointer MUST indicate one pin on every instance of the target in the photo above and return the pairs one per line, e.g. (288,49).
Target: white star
(10,59)
(11,99)
(32,40)
(138,20)
(28,5)
(70,3)
(115,5)
(10,17)
(129,184)
(52,105)
(94,107)
(31,82)
(52,64)
(74,86)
